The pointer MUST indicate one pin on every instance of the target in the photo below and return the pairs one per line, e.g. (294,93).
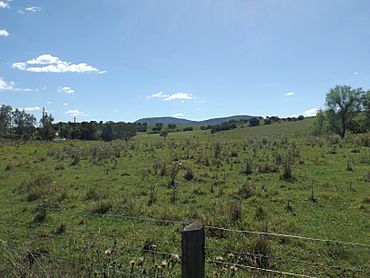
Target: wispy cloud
(4,33)
(49,63)
(181,95)
(158,95)
(10,86)
(199,101)
(310,112)
(33,9)
(176,96)
(65,103)
(289,94)
(4,4)
(75,112)
(66,90)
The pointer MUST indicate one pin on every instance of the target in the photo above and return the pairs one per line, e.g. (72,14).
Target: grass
(86,187)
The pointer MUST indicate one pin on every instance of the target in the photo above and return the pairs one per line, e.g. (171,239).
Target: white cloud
(65,104)
(178,115)
(4,4)
(355,73)
(49,63)
(10,86)
(176,96)
(158,95)
(115,110)
(199,101)
(33,9)
(30,109)
(311,112)
(49,102)
(75,112)
(289,94)
(180,95)
(66,90)
(3,33)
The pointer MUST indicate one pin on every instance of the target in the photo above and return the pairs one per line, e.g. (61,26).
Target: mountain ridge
(179,121)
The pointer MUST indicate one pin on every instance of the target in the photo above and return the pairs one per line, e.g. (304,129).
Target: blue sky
(123,60)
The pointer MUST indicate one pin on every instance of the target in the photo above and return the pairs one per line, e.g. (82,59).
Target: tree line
(17,124)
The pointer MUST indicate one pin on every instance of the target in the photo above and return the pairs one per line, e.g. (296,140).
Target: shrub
(38,187)
(261,246)
(245,191)
(94,193)
(234,212)
(153,191)
(189,128)
(248,166)
(40,215)
(101,208)
(189,174)
(260,213)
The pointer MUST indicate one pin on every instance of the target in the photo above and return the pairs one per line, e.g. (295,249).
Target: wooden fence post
(192,246)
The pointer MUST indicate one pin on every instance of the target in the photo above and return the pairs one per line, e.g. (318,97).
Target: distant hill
(178,121)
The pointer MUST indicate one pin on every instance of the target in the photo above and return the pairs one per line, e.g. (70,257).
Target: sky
(195,59)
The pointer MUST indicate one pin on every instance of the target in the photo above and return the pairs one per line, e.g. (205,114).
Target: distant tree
(124,131)
(88,130)
(319,126)
(300,118)
(5,119)
(107,131)
(158,127)
(64,130)
(142,127)
(366,107)
(254,122)
(46,130)
(23,123)
(164,134)
(267,121)
(343,104)
(171,126)
(189,128)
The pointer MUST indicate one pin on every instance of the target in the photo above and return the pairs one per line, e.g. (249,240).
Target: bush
(40,215)
(261,246)
(254,122)
(248,166)
(189,128)
(245,192)
(101,208)
(234,212)
(189,174)
(260,213)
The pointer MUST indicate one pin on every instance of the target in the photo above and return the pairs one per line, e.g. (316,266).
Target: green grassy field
(77,208)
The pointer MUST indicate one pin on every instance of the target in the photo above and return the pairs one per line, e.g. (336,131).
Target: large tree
(343,103)
(23,123)
(46,130)
(5,119)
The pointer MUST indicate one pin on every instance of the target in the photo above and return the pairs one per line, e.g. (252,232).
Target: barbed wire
(287,236)
(174,222)
(246,253)
(260,269)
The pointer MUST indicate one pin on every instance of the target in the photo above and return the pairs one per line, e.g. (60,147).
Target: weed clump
(101,208)
(261,246)
(189,174)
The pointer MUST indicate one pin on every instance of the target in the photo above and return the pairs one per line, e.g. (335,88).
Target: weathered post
(192,245)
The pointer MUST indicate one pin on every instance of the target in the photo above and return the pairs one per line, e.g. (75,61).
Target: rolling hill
(178,121)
